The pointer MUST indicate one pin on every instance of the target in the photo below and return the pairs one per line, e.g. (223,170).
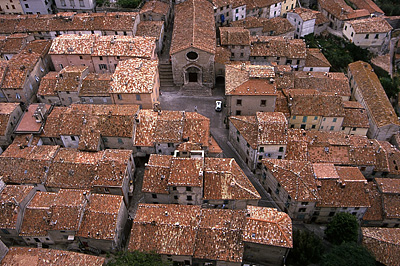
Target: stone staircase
(166,78)
(195,89)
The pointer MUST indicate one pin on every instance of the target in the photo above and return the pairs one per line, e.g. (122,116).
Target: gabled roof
(99,222)
(373,94)
(370,25)
(383,243)
(194,26)
(296,177)
(37,256)
(212,234)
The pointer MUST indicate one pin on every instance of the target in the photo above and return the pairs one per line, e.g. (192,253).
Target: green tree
(307,249)
(137,258)
(128,3)
(342,228)
(348,254)
(390,85)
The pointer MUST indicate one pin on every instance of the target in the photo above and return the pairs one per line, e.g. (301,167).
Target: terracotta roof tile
(37,215)
(95,84)
(368,5)
(296,177)
(341,10)
(224,179)
(155,6)
(273,27)
(375,212)
(234,36)
(278,47)
(99,222)
(193,27)
(383,243)
(6,110)
(26,165)
(134,76)
(355,117)
(332,82)
(150,29)
(10,198)
(42,256)
(315,58)
(370,25)
(48,84)
(214,234)
(268,226)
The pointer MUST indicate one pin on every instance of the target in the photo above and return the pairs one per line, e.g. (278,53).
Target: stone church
(193,45)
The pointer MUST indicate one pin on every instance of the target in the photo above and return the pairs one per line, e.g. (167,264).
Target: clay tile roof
(14,43)
(304,13)
(67,209)
(90,121)
(315,58)
(341,10)
(329,82)
(156,174)
(296,177)
(383,243)
(219,236)
(368,5)
(26,165)
(375,212)
(234,36)
(82,170)
(150,29)
(272,128)
(48,84)
(99,222)
(355,117)
(375,99)
(273,27)
(268,226)
(247,127)
(127,46)
(241,79)
(321,19)
(73,44)
(346,191)
(6,110)
(213,234)
(19,67)
(315,104)
(171,127)
(134,76)
(155,6)
(166,229)
(193,27)
(70,78)
(37,215)
(277,26)
(186,172)
(325,171)
(94,84)
(388,185)
(371,25)
(43,256)
(224,179)
(9,22)
(278,47)
(222,55)
(10,198)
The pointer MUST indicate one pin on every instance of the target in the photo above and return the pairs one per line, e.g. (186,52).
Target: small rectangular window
(263,103)
(119,96)
(239,102)
(138,97)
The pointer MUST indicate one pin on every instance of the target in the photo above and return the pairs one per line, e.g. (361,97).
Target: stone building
(190,235)
(210,182)
(193,45)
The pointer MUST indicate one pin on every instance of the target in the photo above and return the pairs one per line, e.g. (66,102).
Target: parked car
(218,106)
